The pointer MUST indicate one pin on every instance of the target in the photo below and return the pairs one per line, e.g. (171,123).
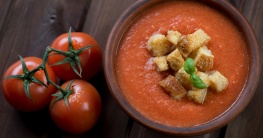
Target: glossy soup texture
(139,79)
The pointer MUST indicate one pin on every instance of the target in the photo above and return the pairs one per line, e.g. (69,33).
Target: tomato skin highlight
(90,59)
(13,88)
(84,108)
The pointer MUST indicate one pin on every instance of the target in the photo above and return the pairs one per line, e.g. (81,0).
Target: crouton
(173,87)
(197,96)
(196,51)
(189,43)
(184,78)
(173,36)
(204,60)
(218,81)
(158,45)
(161,63)
(175,60)
(183,47)
(204,77)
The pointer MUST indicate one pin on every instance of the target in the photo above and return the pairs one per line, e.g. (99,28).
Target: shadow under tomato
(38,123)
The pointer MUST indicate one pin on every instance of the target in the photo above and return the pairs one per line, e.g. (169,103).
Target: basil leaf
(189,66)
(197,82)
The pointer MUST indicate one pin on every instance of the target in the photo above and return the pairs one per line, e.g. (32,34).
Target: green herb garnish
(189,68)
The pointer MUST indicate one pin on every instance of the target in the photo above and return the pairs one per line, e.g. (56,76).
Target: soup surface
(139,79)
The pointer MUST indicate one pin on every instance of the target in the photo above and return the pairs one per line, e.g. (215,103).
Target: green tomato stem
(71,57)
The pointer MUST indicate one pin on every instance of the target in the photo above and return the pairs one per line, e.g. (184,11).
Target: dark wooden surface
(28,26)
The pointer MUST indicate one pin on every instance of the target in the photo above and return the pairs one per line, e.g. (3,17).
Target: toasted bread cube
(184,47)
(173,36)
(158,45)
(184,78)
(218,81)
(161,63)
(204,59)
(175,60)
(197,96)
(193,41)
(204,77)
(195,52)
(173,87)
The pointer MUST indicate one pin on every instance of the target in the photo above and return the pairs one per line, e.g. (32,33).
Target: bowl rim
(240,104)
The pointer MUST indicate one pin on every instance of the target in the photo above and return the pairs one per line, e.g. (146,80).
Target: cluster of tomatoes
(30,84)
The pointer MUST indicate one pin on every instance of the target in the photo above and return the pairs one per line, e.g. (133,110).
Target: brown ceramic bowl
(237,107)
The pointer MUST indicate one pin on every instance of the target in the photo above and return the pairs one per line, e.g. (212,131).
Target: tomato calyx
(27,77)
(63,94)
(71,56)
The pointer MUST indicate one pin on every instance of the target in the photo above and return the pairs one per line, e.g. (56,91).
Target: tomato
(83,111)
(13,88)
(90,59)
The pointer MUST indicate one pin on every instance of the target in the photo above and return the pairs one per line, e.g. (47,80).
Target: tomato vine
(71,56)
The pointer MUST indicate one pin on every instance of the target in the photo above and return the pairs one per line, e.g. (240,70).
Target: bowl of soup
(142,78)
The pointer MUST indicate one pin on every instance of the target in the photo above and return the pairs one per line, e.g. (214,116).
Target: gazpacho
(141,79)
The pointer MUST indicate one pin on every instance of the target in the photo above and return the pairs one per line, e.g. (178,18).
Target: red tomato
(84,108)
(90,59)
(13,88)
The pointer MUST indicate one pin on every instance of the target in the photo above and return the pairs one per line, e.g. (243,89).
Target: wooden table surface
(27,27)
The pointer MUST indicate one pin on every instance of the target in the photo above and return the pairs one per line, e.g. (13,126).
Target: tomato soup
(139,79)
